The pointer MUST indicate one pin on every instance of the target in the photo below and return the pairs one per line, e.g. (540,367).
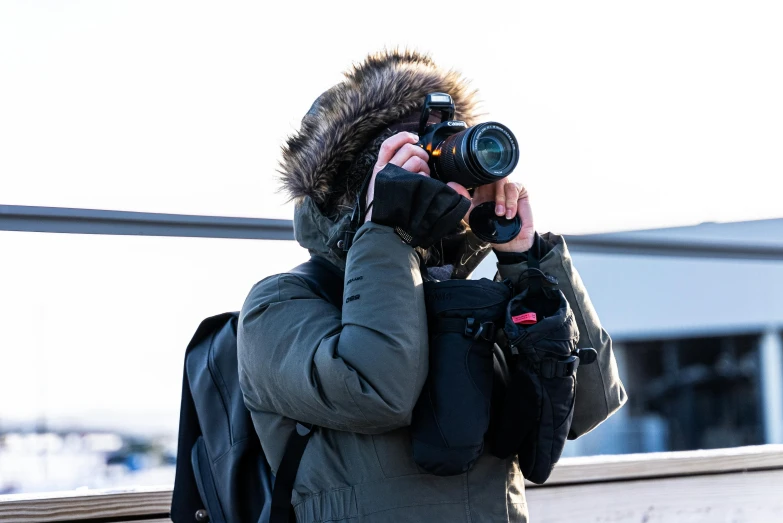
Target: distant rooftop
(756,239)
(755,232)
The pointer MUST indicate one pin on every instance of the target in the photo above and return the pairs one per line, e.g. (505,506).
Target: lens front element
(489,152)
(495,149)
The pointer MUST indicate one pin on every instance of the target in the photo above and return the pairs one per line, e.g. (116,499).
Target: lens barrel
(478,155)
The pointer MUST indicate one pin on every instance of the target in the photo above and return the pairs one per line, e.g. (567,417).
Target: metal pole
(771,358)
(98,221)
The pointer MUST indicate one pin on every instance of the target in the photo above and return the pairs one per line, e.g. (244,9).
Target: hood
(375,93)
(314,169)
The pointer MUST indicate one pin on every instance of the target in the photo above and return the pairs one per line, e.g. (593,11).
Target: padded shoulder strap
(324,279)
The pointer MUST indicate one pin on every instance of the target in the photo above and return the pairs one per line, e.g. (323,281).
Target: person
(356,373)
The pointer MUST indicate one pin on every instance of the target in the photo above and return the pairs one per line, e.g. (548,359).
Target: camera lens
(493,150)
(477,156)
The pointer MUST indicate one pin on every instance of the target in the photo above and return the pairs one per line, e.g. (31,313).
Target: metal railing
(95,221)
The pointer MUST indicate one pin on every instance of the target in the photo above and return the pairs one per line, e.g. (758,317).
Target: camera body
(470,156)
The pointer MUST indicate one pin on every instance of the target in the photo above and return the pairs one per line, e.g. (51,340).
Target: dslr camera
(470,156)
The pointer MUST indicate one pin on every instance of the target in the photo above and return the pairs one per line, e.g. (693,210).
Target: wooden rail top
(626,467)
(632,472)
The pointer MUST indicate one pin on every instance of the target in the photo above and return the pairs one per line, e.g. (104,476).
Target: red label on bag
(529,318)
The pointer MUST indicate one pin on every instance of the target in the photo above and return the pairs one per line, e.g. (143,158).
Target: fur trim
(344,120)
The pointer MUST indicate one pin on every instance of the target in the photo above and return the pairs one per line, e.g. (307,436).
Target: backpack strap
(282,510)
(326,280)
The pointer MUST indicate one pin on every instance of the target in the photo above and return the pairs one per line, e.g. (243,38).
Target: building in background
(696,315)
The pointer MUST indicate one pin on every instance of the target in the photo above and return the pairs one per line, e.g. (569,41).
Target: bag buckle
(347,241)
(551,368)
(475,330)
(587,355)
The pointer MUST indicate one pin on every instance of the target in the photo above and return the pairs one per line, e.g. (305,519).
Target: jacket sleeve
(359,371)
(599,391)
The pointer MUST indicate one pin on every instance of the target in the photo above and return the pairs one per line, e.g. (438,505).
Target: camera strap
(358,214)
(532,263)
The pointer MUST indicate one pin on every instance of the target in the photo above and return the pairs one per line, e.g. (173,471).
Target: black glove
(424,209)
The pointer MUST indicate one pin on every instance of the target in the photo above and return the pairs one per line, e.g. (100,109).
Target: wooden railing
(740,485)
(150,505)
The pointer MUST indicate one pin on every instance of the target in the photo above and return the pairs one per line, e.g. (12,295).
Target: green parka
(357,374)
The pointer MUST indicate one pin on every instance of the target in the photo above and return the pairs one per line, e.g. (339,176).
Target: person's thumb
(462,192)
(460,189)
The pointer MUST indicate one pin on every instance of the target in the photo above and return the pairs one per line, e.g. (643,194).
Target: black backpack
(222,475)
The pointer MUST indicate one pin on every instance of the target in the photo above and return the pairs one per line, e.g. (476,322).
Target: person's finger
(522,191)
(391,145)
(512,195)
(483,193)
(416,165)
(407,151)
(500,197)
(525,210)
(464,193)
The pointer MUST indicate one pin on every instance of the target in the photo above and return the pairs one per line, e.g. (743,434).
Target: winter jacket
(357,373)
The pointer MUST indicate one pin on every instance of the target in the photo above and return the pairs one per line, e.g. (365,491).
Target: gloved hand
(422,209)
(400,150)
(401,194)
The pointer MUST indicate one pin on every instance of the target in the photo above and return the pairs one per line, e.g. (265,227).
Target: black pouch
(536,408)
(452,414)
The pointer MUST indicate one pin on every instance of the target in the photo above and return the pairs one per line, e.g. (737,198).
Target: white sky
(629,114)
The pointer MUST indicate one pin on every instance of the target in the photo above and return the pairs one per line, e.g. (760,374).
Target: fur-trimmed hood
(386,87)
